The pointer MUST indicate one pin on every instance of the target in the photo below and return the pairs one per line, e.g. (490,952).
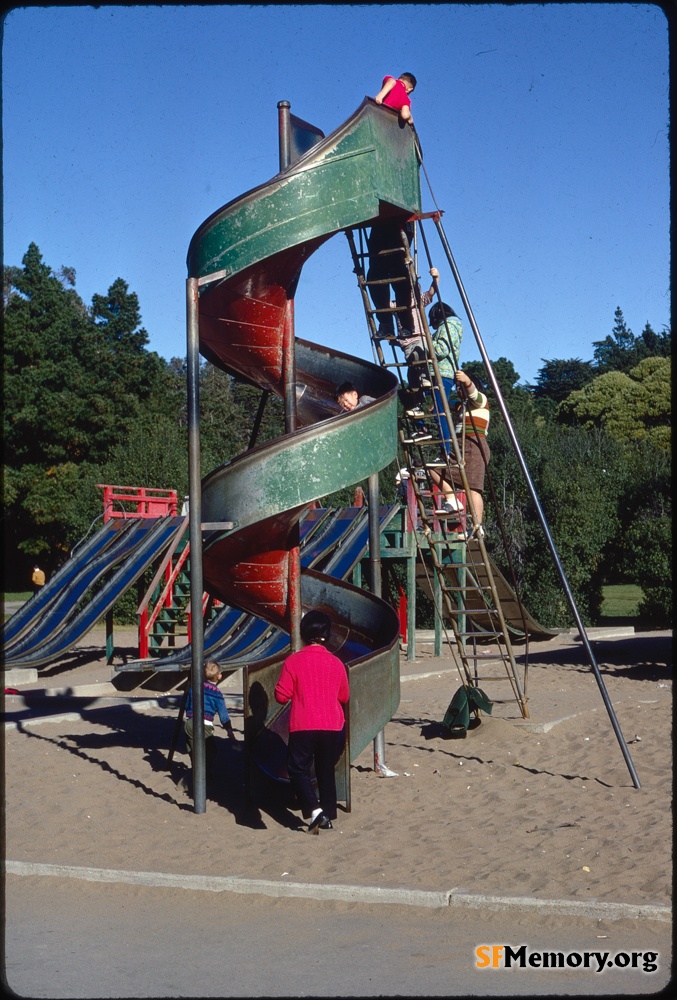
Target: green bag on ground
(466,700)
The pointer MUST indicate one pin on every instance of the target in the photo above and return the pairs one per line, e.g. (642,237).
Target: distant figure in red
(316,683)
(395,94)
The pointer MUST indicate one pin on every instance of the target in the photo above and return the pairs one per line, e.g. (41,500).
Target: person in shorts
(473,410)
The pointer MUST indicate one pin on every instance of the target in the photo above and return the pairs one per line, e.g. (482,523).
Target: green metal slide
(247,258)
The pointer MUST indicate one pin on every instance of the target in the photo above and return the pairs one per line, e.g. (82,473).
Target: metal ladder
(453,567)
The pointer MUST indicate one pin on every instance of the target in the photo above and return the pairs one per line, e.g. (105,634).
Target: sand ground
(543,808)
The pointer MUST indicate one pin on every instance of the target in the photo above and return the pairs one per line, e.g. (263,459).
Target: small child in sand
(395,94)
(215,704)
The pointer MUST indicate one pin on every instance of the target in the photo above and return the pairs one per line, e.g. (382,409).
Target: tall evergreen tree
(616,351)
(622,351)
(74,380)
(557,378)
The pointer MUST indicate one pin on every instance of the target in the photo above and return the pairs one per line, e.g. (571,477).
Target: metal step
(439,529)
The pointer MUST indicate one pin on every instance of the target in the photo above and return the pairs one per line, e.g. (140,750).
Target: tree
(622,350)
(575,474)
(654,345)
(517,398)
(557,378)
(617,351)
(630,406)
(644,551)
(75,381)
(125,368)
(71,383)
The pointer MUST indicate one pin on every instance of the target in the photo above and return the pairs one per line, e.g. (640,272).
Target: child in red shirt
(395,94)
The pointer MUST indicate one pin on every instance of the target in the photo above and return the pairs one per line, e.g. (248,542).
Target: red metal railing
(148,502)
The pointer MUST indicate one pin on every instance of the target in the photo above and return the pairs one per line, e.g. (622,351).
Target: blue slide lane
(156,539)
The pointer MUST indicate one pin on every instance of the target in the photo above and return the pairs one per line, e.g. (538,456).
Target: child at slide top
(395,94)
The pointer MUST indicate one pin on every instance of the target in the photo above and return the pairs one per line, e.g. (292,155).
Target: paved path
(69,939)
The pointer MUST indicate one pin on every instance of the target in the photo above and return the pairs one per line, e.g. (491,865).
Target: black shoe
(326,824)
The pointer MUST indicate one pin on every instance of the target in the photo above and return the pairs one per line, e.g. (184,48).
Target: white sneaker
(446,510)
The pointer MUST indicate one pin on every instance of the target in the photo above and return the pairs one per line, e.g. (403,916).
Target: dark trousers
(384,238)
(390,267)
(321,747)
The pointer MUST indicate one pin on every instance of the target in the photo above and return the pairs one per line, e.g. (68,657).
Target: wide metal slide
(65,620)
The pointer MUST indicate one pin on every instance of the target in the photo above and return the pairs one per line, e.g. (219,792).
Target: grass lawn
(619,605)
(621,600)
(8,612)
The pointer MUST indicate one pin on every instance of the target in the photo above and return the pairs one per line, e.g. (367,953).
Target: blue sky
(544,130)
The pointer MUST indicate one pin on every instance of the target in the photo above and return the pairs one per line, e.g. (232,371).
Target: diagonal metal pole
(539,510)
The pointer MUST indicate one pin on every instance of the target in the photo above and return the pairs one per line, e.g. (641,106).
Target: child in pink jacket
(316,683)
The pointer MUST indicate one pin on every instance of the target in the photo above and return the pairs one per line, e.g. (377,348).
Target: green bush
(649,551)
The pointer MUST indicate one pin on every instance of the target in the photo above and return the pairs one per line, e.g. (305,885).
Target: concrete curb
(456,898)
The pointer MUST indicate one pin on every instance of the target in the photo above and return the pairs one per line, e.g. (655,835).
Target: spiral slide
(337,539)
(247,260)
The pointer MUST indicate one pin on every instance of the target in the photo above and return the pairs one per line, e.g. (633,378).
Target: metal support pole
(411,598)
(375,581)
(289,377)
(437,599)
(195,521)
(259,417)
(295,606)
(374,535)
(289,368)
(110,637)
(539,510)
(411,517)
(284,129)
